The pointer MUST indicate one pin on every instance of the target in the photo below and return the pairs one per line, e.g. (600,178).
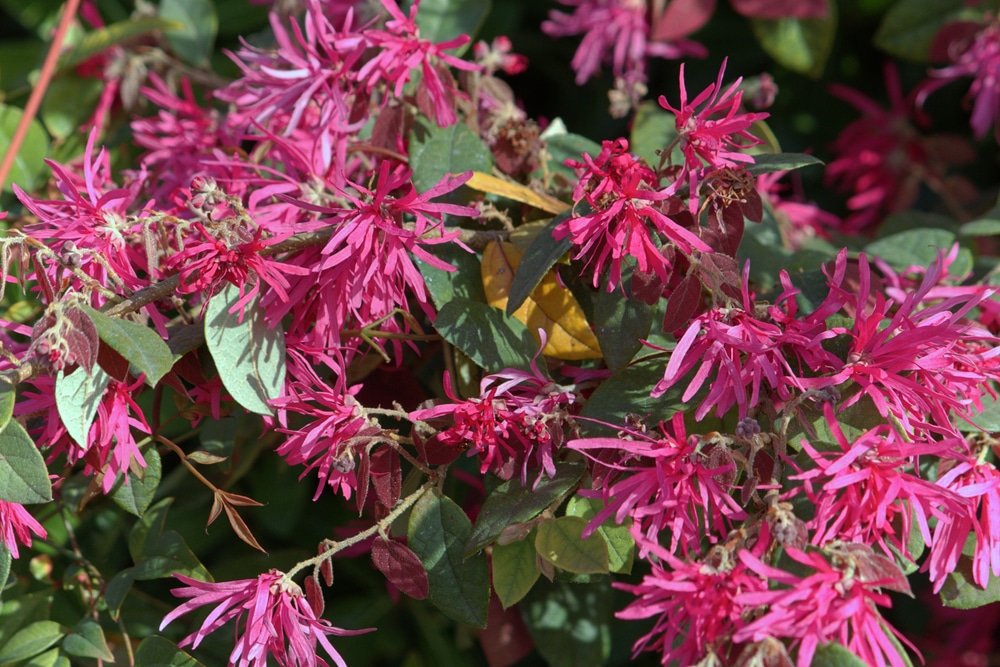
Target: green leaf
(249,356)
(490,337)
(540,256)
(627,393)
(87,641)
(908,28)
(141,346)
(621,546)
(464,283)
(102,39)
(134,493)
(69,102)
(570,623)
(117,590)
(653,129)
(436,152)
(31,640)
(167,554)
(515,570)
(8,395)
(621,323)
(51,658)
(802,45)
(33,15)
(194,40)
(157,651)
(565,146)
(77,397)
(913,247)
(835,655)
(766,163)
(762,244)
(23,610)
(512,503)
(960,590)
(443,20)
(989,226)
(24,478)
(29,165)
(561,543)
(148,526)
(5,561)
(987,420)
(459,587)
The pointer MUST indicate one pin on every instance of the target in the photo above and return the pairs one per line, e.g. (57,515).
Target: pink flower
(711,143)
(273,618)
(838,601)
(626,201)
(617,31)
(974,50)
(670,482)
(695,603)
(498,56)
(400,50)
(17,525)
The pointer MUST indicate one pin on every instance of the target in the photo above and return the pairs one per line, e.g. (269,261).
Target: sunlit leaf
(140,345)
(134,492)
(802,45)
(87,641)
(193,41)
(515,570)
(24,478)
(29,165)
(489,337)
(561,542)
(550,307)
(162,652)
(516,191)
(30,641)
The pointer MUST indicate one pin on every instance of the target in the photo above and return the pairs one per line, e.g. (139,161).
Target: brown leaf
(217,504)
(240,528)
(240,501)
(205,458)
(401,567)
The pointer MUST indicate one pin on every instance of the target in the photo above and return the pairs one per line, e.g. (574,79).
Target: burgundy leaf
(362,476)
(681,18)
(780,9)
(401,567)
(314,596)
(646,287)
(112,363)
(326,568)
(683,304)
(433,452)
(505,639)
(387,477)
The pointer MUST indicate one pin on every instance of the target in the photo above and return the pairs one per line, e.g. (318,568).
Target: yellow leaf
(516,191)
(550,306)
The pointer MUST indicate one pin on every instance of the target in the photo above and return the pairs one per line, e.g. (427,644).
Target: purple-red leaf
(387,477)
(401,567)
(683,304)
(314,596)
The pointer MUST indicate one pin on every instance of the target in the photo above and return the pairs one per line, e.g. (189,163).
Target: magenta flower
(695,603)
(838,601)
(400,51)
(617,31)
(671,483)
(974,51)
(273,618)
(17,525)
(498,56)
(710,143)
(625,197)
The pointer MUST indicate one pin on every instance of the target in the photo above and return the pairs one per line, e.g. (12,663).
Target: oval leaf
(163,653)
(908,28)
(561,543)
(192,41)
(512,503)
(515,570)
(442,20)
(490,338)
(249,356)
(24,478)
(621,545)
(437,533)
(540,256)
(444,286)
(570,623)
(961,591)
(30,161)
(550,307)
(766,163)
(515,191)
(140,345)
(802,45)
(87,641)
(135,492)
(8,394)
(401,567)
(30,641)
(439,151)
(77,398)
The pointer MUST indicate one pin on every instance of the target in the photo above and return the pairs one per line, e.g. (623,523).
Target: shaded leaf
(166,555)
(30,641)
(443,20)
(140,345)
(515,570)
(621,323)
(401,567)
(570,623)
(913,247)
(193,41)
(562,146)
(117,590)
(626,394)
(437,533)
(512,503)
(550,306)
(5,561)
(960,590)
(240,527)
(24,477)
(908,28)
(249,356)
(489,337)
(766,163)
(561,543)
(439,151)
(134,492)
(444,286)
(621,545)
(29,165)
(78,396)
(540,256)
(8,396)
(802,45)
(653,130)
(148,526)
(157,651)
(682,304)
(87,641)
(836,655)
(102,39)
